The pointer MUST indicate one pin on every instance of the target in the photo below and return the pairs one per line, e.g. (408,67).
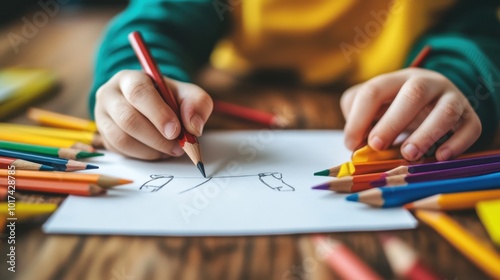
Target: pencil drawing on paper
(272,180)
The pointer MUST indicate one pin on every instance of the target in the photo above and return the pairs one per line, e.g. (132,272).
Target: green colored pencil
(67,153)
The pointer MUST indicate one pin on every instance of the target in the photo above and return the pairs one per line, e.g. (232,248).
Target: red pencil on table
(249,114)
(342,260)
(187,141)
(403,260)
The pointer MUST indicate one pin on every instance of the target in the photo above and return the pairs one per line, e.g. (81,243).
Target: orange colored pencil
(350,184)
(342,260)
(98,179)
(3,194)
(454,201)
(75,188)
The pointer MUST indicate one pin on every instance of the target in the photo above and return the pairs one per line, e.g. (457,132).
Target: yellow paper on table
(19,87)
(489,213)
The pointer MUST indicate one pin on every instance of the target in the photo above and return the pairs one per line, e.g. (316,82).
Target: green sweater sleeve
(466,49)
(180,34)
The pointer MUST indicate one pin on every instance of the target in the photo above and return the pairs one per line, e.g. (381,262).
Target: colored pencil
(359,168)
(40,85)
(67,153)
(342,260)
(98,179)
(487,259)
(461,172)
(27,138)
(3,194)
(75,188)
(398,196)
(349,184)
(22,210)
(366,153)
(86,137)
(59,164)
(249,114)
(404,261)
(20,164)
(54,119)
(488,212)
(443,165)
(186,140)
(454,201)
(421,56)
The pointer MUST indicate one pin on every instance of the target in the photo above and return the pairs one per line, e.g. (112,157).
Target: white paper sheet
(245,196)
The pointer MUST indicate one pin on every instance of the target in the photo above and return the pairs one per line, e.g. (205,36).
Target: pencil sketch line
(273,180)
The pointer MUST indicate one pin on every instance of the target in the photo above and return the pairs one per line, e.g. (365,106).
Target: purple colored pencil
(417,168)
(460,172)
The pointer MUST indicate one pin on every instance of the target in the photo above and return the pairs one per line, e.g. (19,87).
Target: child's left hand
(422,102)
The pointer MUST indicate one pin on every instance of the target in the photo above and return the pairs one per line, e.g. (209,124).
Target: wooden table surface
(67,45)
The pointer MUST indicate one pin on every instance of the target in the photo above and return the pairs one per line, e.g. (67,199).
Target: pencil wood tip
(325,172)
(201,167)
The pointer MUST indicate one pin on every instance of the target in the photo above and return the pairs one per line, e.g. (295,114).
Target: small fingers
(140,92)
(195,105)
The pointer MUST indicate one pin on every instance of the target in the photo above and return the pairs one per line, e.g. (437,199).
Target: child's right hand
(134,120)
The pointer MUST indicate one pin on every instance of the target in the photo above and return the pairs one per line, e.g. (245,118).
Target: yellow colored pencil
(454,201)
(86,137)
(60,120)
(28,138)
(21,210)
(484,257)
(366,153)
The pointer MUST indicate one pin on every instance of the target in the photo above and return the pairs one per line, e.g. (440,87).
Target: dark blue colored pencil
(399,196)
(59,164)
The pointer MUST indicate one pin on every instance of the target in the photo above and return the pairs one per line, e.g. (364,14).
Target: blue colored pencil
(399,196)
(59,164)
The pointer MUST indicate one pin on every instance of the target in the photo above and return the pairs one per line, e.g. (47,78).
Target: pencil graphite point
(84,154)
(90,166)
(324,186)
(201,167)
(325,172)
(353,197)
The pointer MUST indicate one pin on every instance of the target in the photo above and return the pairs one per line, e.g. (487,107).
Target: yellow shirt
(325,41)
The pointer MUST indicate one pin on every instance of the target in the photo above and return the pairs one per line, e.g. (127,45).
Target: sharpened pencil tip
(324,186)
(201,167)
(325,172)
(84,154)
(90,166)
(352,197)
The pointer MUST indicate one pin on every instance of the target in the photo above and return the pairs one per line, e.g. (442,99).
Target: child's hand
(135,121)
(420,101)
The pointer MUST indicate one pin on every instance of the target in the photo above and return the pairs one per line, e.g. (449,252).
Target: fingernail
(197,124)
(377,143)
(170,129)
(177,151)
(445,154)
(411,151)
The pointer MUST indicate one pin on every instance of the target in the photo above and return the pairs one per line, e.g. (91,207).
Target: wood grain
(66,45)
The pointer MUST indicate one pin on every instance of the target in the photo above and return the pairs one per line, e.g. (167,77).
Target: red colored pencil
(249,114)
(404,261)
(187,141)
(417,61)
(343,261)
